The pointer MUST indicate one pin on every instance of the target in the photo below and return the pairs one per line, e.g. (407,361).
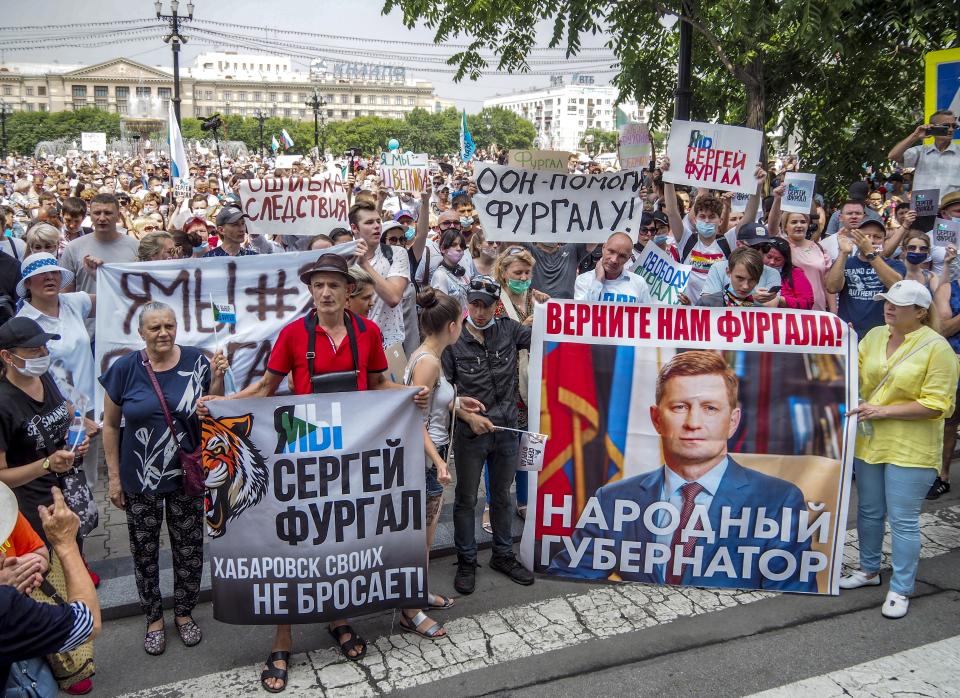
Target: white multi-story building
(562,112)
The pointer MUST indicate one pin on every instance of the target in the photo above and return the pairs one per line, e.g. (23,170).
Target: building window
(241,96)
(256,95)
(122,92)
(143,92)
(329,99)
(344,114)
(7,90)
(208,94)
(398,101)
(356,99)
(372,99)
(271,96)
(43,107)
(101,103)
(287,97)
(42,92)
(121,107)
(29,106)
(344,99)
(384,99)
(228,96)
(302,96)
(29,92)
(409,101)
(197,112)
(356,113)
(329,113)
(286,112)
(164,92)
(79,91)
(100,91)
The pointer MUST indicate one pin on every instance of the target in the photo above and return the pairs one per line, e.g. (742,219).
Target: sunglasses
(150,228)
(448,225)
(487,286)
(395,240)
(648,229)
(514,250)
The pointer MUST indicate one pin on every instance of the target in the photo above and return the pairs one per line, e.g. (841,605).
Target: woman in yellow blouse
(908,379)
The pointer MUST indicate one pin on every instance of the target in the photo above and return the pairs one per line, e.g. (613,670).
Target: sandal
(485,522)
(189,633)
(355,643)
(436,602)
(274,672)
(155,641)
(412,625)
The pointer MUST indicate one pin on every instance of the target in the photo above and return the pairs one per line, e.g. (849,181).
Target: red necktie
(689,493)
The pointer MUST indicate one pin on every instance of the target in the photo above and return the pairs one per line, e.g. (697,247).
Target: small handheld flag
(225,313)
(274,144)
(287,140)
(467,146)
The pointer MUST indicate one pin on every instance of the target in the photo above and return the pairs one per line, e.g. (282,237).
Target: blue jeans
(897,493)
(499,450)
(520,479)
(31,678)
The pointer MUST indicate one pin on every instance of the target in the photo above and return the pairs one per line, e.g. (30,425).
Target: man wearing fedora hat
(329,350)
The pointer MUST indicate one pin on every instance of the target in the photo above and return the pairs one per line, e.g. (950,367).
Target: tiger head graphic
(236,476)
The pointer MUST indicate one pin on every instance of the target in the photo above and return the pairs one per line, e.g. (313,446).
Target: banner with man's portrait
(691,446)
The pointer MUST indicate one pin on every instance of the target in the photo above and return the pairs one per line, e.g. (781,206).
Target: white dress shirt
(935,169)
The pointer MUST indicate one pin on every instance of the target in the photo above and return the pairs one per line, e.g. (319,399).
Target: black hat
(858,191)
(661,218)
(484,289)
(23,332)
(330,262)
(752,234)
(230,214)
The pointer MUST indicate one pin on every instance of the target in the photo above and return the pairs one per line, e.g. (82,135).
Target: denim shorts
(434,488)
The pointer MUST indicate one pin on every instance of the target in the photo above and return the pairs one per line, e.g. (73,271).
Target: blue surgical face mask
(466,221)
(917,257)
(706,229)
(201,249)
(659,239)
(409,233)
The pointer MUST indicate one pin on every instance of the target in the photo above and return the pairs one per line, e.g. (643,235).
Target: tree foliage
(25,128)
(845,77)
(603,141)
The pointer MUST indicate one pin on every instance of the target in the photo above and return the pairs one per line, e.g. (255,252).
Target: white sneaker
(895,605)
(857,579)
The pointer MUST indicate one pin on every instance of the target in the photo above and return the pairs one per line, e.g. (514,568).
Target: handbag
(76,490)
(73,665)
(189,460)
(338,381)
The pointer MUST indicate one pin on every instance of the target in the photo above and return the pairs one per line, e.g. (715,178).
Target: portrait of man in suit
(726,506)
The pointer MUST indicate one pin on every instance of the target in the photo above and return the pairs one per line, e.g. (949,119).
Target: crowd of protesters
(424,275)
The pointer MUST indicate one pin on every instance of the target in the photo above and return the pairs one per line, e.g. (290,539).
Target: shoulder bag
(189,461)
(337,381)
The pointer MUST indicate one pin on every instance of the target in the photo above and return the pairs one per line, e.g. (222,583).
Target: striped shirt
(82,626)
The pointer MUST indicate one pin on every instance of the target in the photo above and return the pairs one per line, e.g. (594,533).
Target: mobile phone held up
(939,130)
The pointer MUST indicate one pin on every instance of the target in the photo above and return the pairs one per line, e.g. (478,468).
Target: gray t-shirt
(120,249)
(555,273)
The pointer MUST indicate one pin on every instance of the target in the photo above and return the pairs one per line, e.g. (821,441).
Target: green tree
(26,129)
(499,127)
(603,141)
(843,76)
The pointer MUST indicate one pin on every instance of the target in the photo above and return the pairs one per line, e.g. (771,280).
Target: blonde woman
(156,246)
(43,237)
(806,254)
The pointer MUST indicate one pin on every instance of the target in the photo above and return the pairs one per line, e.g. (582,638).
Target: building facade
(564,111)
(228,83)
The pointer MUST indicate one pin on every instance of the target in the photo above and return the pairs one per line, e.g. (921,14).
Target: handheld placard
(227,314)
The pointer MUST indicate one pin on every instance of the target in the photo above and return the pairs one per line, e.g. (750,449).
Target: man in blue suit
(696,413)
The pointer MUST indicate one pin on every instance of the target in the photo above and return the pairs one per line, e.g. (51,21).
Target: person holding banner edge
(344,358)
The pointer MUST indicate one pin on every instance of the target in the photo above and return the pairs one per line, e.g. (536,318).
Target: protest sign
(517,205)
(285,162)
(607,378)
(798,196)
(666,278)
(182,189)
(635,147)
(264,290)
(945,233)
(93,141)
(540,160)
(404,171)
(530,451)
(926,202)
(739,202)
(315,506)
(714,156)
(396,362)
(294,205)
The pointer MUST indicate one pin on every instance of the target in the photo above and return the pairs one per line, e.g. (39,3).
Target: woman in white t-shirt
(71,358)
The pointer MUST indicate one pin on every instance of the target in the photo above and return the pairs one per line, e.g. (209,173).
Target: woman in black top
(34,418)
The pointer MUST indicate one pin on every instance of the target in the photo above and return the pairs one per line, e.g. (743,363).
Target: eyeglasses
(487,286)
(447,225)
(648,229)
(150,228)
(395,241)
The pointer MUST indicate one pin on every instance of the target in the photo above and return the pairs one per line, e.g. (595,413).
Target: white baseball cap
(8,512)
(906,292)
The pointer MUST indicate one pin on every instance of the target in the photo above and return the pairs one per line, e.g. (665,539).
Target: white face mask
(484,327)
(33,368)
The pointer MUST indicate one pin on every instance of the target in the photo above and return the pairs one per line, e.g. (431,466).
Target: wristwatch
(46,464)
(870,257)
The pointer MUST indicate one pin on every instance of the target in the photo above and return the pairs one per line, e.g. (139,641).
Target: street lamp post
(3,128)
(316,103)
(683,94)
(175,38)
(261,117)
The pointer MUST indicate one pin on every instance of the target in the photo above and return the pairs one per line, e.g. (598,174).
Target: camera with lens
(211,124)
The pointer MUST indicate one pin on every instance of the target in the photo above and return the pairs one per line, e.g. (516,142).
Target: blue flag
(467,146)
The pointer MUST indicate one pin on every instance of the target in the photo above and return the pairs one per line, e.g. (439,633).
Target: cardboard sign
(405,171)
(666,278)
(635,147)
(926,202)
(93,141)
(739,201)
(945,233)
(540,160)
(798,197)
(183,189)
(714,156)
(294,205)
(527,206)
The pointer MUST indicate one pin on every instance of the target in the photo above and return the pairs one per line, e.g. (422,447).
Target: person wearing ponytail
(441,321)
(915,254)
(451,276)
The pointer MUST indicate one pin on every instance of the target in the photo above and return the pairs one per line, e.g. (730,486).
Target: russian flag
(179,167)
(287,140)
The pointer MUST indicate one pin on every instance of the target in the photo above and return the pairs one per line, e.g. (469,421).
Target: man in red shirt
(345,357)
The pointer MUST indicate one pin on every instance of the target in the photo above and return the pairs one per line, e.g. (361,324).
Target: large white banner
(265,290)
(714,156)
(93,142)
(519,205)
(295,205)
